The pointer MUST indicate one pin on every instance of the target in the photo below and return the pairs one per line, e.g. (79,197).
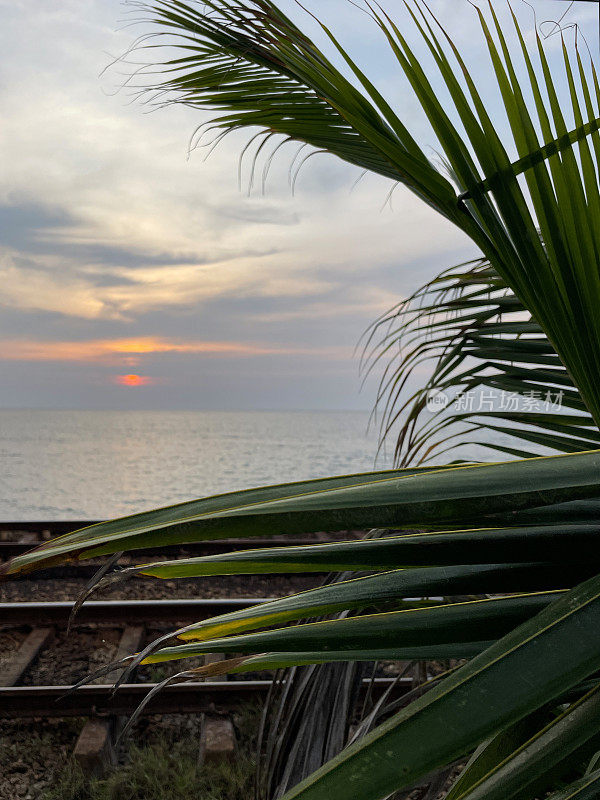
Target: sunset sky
(122,257)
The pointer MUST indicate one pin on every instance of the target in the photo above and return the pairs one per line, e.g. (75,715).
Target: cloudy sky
(122,256)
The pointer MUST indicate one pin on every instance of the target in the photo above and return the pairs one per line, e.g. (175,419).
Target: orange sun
(132,380)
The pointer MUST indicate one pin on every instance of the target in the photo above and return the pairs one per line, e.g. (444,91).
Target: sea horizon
(96,464)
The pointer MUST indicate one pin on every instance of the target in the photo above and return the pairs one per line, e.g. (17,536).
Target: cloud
(104,218)
(31,228)
(28,284)
(131,351)
(51,262)
(110,234)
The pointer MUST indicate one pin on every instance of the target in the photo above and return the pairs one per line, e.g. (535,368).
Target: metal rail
(208,548)
(53,527)
(35,533)
(19,702)
(119,612)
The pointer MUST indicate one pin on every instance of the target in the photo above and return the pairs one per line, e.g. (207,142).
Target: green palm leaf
(586,788)
(405,498)
(489,358)
(548,752)
(477,700)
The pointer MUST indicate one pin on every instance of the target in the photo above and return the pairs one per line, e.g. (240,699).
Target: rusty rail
(208,548)
(118,612)
(19,702)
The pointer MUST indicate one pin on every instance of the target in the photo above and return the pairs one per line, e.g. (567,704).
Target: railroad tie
(217,737)
(95,750)
(37,640)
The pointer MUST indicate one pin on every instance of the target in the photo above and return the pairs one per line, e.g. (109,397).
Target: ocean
(100,464)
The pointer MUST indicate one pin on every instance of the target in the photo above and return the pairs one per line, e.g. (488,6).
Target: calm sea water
(98,464)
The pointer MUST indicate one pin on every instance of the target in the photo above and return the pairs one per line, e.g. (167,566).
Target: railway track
(106,710)
(38,657)
(193,697)
(97,700)
(132,617)
(9,549)
(17,538)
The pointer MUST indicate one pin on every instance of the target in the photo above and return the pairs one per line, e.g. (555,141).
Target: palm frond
(251,62)
(534,219)
(487,358)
